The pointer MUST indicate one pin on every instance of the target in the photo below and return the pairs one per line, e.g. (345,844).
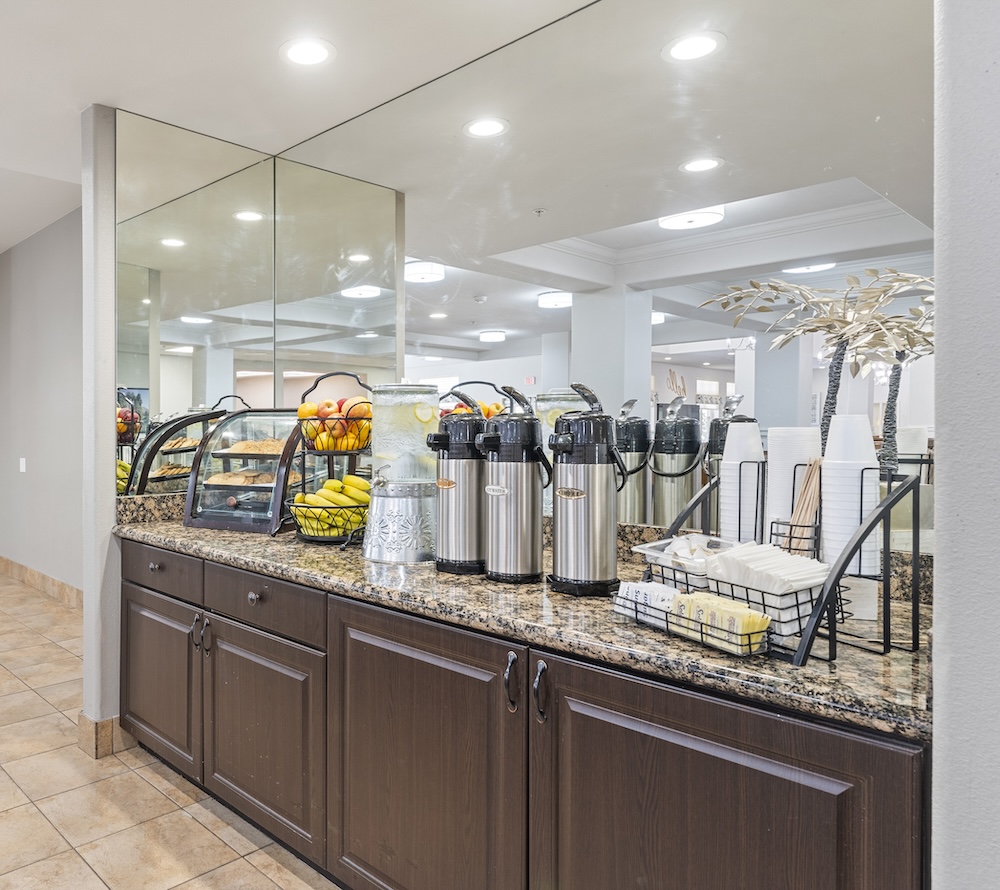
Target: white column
(555,361)
(966,777)
(612,341)
(213,374)
(153,293)
(782,383)
(744,379)
(101,551)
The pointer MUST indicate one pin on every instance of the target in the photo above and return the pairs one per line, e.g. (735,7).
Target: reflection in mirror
(335,278)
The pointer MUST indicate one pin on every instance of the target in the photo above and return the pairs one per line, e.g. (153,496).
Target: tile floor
(128,821)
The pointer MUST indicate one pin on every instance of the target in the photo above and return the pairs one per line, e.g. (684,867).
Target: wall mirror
(238,272)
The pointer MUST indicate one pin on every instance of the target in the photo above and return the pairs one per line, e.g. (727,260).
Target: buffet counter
(884,694)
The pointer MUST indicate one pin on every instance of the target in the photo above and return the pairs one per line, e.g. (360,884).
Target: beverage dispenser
(585,474)
(515,466)
(676,463)
(632,438)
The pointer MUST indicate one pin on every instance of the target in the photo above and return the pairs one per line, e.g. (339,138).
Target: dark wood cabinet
(634,784)
(428,748)
(237,708)
(265,731)
(161,671)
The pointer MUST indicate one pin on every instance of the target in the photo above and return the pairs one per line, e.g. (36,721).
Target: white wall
(40,401)
(669,377)
(966,777)
(501,371)
(175,384)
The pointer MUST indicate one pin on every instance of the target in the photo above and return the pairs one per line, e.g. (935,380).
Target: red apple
(325,408)
(340,404)
(336,425)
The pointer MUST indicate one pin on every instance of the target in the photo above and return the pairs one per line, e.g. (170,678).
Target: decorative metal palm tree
(851,321)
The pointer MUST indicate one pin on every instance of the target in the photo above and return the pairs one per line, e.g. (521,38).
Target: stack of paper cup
(740,477)
(850,491)
(787,448)
(912,440)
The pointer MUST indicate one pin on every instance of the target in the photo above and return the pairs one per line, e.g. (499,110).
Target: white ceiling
(821,111)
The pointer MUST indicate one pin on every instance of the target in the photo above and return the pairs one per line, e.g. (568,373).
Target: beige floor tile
(9,683)
(67,871)
(62,631)
(226,825)
(25,837)
(136,758)
(171,783)
(74,646)
(35,736)
(161,853)
(288,871)
(21,638)
(51,672)
(238,875)
(72,714)
(20,706)
(63,769)
(39,610)
(102,808)
(45,651)
(63,696)
(10,795)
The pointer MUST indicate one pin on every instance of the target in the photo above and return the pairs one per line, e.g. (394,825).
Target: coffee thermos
(632,439)
(515,465)
(675,464)
(585,472)
(461,500)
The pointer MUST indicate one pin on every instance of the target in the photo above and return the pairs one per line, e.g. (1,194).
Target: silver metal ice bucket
(401,522)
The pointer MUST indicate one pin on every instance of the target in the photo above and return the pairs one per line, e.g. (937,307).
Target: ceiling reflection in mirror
(822,116)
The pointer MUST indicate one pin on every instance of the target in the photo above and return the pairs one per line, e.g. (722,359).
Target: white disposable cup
(743,443)
(850,438)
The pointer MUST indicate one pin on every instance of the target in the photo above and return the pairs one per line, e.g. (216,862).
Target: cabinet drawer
(287,609)
(163,570)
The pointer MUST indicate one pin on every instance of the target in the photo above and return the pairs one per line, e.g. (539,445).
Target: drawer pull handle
(195,642)
(536,694)
(253,598)
(154,567)
(511,661)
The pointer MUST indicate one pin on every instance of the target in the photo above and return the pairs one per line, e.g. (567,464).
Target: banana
(335,497)
(356,482)
(357,496)
(300,498)
(333,485)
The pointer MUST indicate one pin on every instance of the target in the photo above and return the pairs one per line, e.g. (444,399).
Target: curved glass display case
(242,470)
(163,462)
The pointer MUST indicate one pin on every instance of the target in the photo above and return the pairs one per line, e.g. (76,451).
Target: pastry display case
(241,471)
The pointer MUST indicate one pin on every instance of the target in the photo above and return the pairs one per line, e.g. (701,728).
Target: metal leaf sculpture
(851,322)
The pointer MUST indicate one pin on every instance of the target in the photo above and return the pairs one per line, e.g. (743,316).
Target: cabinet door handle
(154,567)
(511,661)
(253,598)
(536,693)
(194,624)
(206,644)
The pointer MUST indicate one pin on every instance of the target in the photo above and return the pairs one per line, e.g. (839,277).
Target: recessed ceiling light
(248,215)
(802,270)
(486,126)
(693,46)
(438,315)
(172,242)
(298,373)
(367,335)
(493,336)
(420,271)
(700,165)
(195,319)
(185,350)
(253,374)
(308,51)
(706,364)
(667,358)
(432,358)
(361,291)
(555,299)
(730,353)
(694,219)
(146,302)
(657,317)
(359,258)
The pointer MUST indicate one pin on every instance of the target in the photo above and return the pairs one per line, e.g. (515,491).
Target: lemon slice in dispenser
(424,413)
(552,415)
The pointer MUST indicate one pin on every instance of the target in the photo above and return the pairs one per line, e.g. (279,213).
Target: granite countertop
(888,694)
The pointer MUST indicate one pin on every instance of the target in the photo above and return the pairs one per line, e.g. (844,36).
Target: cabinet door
(634,784)
(427,755)
(265,731)
(161,676)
